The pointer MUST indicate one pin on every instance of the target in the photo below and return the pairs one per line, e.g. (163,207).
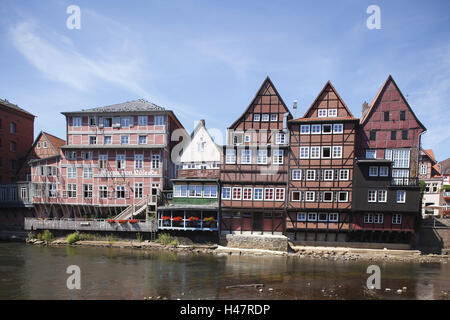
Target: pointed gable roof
(267,87)
(187,153)
(378,97)
(323,94)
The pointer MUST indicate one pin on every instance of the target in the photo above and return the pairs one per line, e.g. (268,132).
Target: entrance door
(257,221)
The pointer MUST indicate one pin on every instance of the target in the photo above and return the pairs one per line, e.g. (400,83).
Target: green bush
(139,237)
(165,239)
(31,236)
(174,242)
(46,236)
(73,237)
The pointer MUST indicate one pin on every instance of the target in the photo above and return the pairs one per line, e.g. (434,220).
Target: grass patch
(167,240)
(73,237)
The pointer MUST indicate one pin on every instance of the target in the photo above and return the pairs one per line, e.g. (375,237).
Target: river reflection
(32,272)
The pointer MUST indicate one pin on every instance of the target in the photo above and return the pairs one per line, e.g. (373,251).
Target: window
(373,171)
(312,216)
(384,171)
(71,190)
(246,156)
(12,146)
(326,152)
(327,196)
(274,117)
(332,113)
(343,196)
(338,128)
(155,161)
(87,190)
(388,154)
(368,218)
(226,193)
(382,195)
(247,138)
(373,135)
(296,195)
(343,174)
(372,196)
(279,194)
(403,115)
(337,152)
(326,128)
(247,193)
(322,113)
(138,161)
(52,171)
(301,216)
(92,121)
(107,122)
(71,155)
(230,156)
(142,140)
(265,117)
(142,120)
(333,217)
(138,190)
(44,144)
(315,128)
(401,196)
(296,174)
(107,140)
(103,161)
(371,154)
(86,155)
(400,158)
(256,117)
(52,190)
(328,175)
(310,175)
(258,194)
(12,127)
(120,161)
(322,217)
(423,169)
(277,157)
(405,134)
(393,135)
(315,152)
(102,192)
(280,138)
(76,121)
(262,156)
(237,193)
(124,139)
(87,172)
(396,219)
(159,120)
(305,129)
(304,152)
(268,194)
(71,172)
(386,116)
(310,196)
(38,145)
(92,140)
(195,191)
(434,188)
(378,218)
(120,192)
(238,137)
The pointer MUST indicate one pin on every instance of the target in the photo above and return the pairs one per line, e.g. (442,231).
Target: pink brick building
(114,157)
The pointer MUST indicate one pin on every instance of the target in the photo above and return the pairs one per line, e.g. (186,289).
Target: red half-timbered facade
(321,160)
(254,169)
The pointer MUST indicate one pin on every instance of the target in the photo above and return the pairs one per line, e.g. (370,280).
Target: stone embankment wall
(262,242)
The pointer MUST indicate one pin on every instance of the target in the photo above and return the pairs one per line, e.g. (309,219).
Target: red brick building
(16,138)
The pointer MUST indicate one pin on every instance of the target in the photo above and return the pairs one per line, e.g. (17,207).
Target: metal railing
(412,182)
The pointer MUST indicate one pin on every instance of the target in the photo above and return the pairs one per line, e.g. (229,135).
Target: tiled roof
(56,142)
(445,167)
(430,153)
(8,104)
(129,106)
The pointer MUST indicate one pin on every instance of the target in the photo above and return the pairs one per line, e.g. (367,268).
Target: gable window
(304,152)
(386,116)
(373,135)
(262,157)
(332,113)
(338,128)
(326,152)
(322,113)
(393,135)
(230,156)
(403,115)
(265,117)
(405,134)
(273,117)
(315,128)
(38,145)
(326,128)
(246,156)
(373,171)
(296,174)
(305,129)
(142,120)
(247,138)
(256,117)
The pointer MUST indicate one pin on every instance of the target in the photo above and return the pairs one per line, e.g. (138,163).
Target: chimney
(365,108)
(203,122)
(295,108)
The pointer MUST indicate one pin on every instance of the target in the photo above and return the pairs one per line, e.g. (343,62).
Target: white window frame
(346,196)
(347,174)
(258,194)
(382,195)
(256,117)
(338,125)
(142,120)
(333,217)
(262,156)
(331,197)
(265,117)
(296,174)
(158,120)
(233,193)
(315,152)
(304,152)
(301,216)
(324,148)
(332,113)
(246,156)
(317,126)
(328,175)
(127,139)
(249,194)
(273,117)
(311,199)
(372,196)
(224,197)
(308,172)
(321,113)
(277,158)
(396,218)
(271,192)
(373,171)
(283,192)
(335,154)
(403,198)
(230,156)
(312,216)
(305,129)
(384,171)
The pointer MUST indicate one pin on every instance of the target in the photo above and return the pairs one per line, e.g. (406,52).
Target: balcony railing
(411,182)
(447,195)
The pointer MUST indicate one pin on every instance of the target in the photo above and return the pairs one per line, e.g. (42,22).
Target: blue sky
(206,59)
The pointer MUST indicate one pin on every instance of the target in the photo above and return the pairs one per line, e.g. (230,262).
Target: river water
(34,272)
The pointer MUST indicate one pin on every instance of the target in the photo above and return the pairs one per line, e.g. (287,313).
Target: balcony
(405,182)
(446,195)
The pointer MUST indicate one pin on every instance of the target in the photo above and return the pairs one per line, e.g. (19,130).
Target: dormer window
(332,113)
(322,113)
(265,117)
